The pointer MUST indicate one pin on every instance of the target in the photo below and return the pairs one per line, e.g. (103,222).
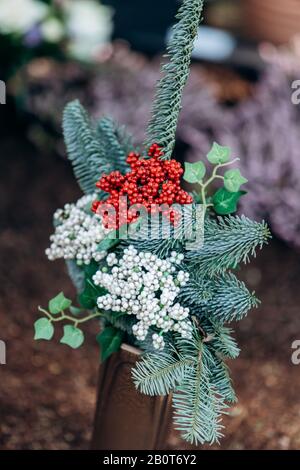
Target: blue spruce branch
(199,401)
(93,151)
(221,339)
(82,145)
(116,142)
(167,104)
(231,300)
(160,373)
(223,297)
(227,243)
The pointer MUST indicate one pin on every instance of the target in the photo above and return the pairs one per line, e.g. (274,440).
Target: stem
(211,179)
(45,312)
(203,196)
(215,175)
(75,320)
(81,320)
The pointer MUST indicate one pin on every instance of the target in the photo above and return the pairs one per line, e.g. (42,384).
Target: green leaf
(194,172)
(90,269)
(59,303)
(233,180)
(107,243)
(88,297)
(72,337)
(110,340)
(225,202)
(43,329)
(219,154)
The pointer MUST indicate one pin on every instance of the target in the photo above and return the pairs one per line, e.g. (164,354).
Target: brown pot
(276,21)
(126,419)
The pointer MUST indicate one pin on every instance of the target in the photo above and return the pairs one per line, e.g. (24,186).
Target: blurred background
(246,62)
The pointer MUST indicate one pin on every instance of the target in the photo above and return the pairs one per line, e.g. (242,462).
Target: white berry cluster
(77,233)
(143,285)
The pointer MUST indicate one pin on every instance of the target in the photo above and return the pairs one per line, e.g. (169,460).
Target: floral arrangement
(78,29)
(252,126)
(172,296)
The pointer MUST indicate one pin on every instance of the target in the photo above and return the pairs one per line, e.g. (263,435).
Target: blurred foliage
(51,28)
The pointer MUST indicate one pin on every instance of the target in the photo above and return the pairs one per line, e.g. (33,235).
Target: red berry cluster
(150,183)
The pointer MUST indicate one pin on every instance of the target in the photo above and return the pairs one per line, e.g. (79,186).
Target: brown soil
(47,391)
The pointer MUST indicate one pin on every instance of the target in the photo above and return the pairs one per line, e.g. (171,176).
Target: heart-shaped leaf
(218,154)
(72,337)
(225,202)
(43,329)
(194,172)
(88,297)
(233,180)
(110,340)
(90,269)
(59,303)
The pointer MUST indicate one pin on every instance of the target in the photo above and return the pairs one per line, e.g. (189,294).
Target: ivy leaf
(90,269)
(88,297)
(72,337)
(225,202)
(218,154)
(233,180)
(110,340)
(194,172)
(59,303)
(43,329)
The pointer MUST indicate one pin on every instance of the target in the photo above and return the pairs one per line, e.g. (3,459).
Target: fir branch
(116,142)
(223,298)
(167,104)
(197,292)
(199,380)
(222,341)
(198,403)
(82,145)
(160,373)
(93,151)
(231,300)
(220,378)
(156,234)
(161,248)
(228,242)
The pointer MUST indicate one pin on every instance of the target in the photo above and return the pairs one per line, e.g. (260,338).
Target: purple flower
(33,37)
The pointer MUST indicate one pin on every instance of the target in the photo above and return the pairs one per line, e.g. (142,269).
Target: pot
(125,419)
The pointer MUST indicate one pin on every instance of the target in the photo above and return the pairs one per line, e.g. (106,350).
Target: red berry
(150,182)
